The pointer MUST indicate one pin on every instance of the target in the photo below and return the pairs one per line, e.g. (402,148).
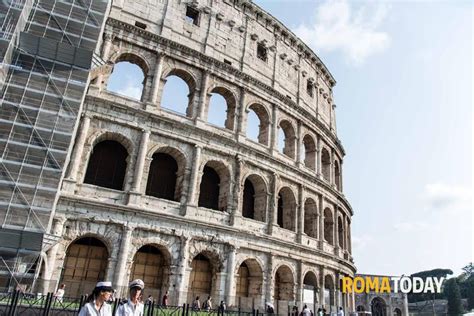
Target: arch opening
(162,177)
(309,152)
(258,124)
(284,284)
(328,226)
(286,209)
(128,77)
(311,218)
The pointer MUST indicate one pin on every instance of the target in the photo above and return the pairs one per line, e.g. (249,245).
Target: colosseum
(160,193)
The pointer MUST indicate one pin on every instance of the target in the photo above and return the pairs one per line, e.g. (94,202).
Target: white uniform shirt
(129,309)
(90,310)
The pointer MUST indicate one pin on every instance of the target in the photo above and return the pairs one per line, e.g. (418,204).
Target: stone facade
(236,49)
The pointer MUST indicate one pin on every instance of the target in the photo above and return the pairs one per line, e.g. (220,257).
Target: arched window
(177,94)
(107,165)
(152,266)
(128,77)
(162,177)
(309,152)
(326,164)
(254,198)
(286,209)
(200,279)
(85,264)
(286,139)
(284,284)
(329,298)
(328,226)
(209,190)
(378,307)
(214,188)
(249,279)
(337,175)
(311,218)
(310,289)
(340,232)
(221,110)
(258,124)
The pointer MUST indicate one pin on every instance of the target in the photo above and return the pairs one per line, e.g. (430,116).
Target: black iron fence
(19,303)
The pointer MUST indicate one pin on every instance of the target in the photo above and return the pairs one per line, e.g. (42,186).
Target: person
(149,300)
(294,311)
(222,307)
(208,304)
(60,293)
(196,304)
(305,311)
(324,311)
(340,312)
(320,312)
(164,301)
(270,309)
(133,306)
(97,301)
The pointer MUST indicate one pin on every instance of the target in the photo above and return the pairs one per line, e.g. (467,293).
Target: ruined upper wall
(231,31)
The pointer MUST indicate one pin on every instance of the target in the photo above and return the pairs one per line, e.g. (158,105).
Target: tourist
(165,299)
(305,311)
(320,312)
(97,302)
(340,312)
(294,311)
(270,309)
(208,304)
(222,307)
(196,304)
(133,306)
(60,293)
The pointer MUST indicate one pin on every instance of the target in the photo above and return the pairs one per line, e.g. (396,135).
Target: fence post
(47,304)
(187,309)
(13,302)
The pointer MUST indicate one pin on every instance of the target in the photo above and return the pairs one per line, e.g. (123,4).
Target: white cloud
(131,89)
(340,27)
(443,197)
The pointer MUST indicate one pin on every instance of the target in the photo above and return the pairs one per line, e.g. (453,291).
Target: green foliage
(435,273)
(453,294)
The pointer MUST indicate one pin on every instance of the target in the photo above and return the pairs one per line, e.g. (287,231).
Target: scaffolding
(46,49)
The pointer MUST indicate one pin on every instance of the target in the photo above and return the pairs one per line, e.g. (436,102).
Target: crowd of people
(97,302)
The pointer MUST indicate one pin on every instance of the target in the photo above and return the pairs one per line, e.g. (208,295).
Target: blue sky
(404,114)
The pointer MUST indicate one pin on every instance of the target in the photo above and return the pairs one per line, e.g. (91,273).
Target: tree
(435,273)
(453,294)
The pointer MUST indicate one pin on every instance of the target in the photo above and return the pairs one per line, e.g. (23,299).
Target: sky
(404,75)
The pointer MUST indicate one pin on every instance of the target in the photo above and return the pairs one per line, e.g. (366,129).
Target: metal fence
(19,303)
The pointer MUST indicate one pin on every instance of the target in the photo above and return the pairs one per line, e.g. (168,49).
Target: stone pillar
(203,97)
(340,175)
(337,298)
(300,215)
(243,115)
(139,164)
(269,280)
(230,279)
(156,79)
(321,221)
(321,292)
(299,284)
(274,131)
(106,46)
(319,167)
(79,148)
(299,145)
(120,281)
(335,230)
(48,284)
(183,255)
(332,173)
(235,195)
(192,198)
(273,205)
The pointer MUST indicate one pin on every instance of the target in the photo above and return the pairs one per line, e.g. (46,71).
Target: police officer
(133,306)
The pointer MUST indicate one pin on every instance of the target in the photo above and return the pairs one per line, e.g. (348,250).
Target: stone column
(321,221)
(337,298)
(300,215)
(106,46)
(48,283)
(299,145)
(203,97)
(183,255)
(139,164)
(322,287)
(192,198)
(241,131)
(156,79)
(335,230)
(332,173)
(120,281)
(299,284)
(230,279)
(340,175)
(269,279)
(274,131)
(79,148)
(319,167)
(235,195)
(272,206)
